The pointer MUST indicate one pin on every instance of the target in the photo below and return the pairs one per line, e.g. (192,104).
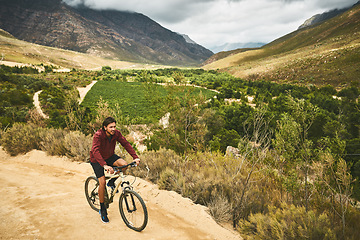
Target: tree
(292,143)
(223,139)
(104,111)
(253,149)
(335,182)
(76,116)
(186,130)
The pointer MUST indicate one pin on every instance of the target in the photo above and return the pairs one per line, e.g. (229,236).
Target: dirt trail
(42,197)
(37,104)
(83,90)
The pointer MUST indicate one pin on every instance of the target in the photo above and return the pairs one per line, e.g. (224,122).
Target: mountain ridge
(233,46)
(107,33)
(325,53)
(321,17)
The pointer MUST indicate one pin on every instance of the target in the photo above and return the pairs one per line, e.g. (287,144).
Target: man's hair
(107,121)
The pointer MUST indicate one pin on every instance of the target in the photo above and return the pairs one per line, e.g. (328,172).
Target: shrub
(78,146)
(220,208)
(171,180)
(157,162)
(288,222)
(21,138)
(106,68)
(35,118)
(53,142)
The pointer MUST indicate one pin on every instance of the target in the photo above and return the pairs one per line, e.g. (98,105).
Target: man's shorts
(99,170)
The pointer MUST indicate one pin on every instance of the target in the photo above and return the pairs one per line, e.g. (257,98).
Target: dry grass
(20,52)
(210,179)
(78,146)
(282,66)
(301,55)
(220,208)
(53,142)
(21,138)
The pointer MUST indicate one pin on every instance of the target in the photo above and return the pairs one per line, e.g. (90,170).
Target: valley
(254,143)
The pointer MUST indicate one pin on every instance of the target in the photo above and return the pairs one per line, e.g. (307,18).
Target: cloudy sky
(216,22)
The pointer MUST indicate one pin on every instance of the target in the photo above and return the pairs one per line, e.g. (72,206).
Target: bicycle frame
(121,183)
(132,207)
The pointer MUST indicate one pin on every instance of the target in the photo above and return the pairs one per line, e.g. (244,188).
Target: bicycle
(131,206)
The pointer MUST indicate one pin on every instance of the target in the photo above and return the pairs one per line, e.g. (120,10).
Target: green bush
(21,138)
(287,222)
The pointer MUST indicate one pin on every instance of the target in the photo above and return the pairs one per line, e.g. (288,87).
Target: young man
(102,157)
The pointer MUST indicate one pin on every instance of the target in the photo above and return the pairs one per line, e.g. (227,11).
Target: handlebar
(132,164)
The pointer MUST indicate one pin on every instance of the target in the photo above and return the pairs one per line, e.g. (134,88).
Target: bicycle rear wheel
(133,210)
(91,192)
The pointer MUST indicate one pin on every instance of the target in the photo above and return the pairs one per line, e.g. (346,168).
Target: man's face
(110,129)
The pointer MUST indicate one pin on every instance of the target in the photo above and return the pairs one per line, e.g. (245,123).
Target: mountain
(225,54)
(233,46)
(325,53)
(107,33)
(318,18)
(188,39)
(15,52)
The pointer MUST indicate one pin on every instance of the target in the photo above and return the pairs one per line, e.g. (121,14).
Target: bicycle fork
(132,201)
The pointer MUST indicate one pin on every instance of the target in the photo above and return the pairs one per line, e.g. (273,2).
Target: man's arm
(121,139)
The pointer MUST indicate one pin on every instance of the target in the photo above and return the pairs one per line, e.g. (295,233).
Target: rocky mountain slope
(318,18)
(113,34)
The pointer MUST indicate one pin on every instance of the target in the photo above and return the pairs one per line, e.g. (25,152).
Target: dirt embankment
(42,197)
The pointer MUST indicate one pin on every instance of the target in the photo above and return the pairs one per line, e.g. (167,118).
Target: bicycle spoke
(91,192)
(133,211)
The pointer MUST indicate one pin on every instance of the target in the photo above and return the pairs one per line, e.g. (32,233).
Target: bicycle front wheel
(91,192)
(133,210)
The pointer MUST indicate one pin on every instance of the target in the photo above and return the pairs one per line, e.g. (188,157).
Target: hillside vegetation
(17,52)
(275,154)
(284,164)
(327,53)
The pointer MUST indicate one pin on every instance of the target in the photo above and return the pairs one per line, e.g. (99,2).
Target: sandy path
(37,104)
(42,197)
(83,90)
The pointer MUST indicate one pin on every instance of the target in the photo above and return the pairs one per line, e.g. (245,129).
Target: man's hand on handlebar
(137,161)
(109,169)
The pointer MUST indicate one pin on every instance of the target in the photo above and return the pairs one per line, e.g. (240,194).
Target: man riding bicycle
(103,157)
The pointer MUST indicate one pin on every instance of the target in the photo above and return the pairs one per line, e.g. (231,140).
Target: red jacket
(103,148)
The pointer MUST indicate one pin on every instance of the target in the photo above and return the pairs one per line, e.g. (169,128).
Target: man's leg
(118,163)
(99,172)
(103,211)
(102,189)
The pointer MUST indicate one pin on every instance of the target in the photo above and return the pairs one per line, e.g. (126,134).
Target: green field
(141,102)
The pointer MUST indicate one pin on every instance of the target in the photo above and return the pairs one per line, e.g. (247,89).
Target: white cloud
(215,22)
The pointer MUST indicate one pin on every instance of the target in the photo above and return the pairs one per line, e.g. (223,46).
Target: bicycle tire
(91,192)
(133,210)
